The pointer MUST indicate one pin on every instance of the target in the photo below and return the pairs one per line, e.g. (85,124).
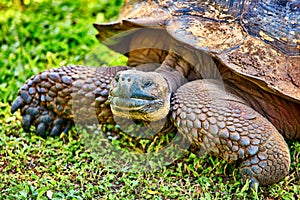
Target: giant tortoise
(225,73)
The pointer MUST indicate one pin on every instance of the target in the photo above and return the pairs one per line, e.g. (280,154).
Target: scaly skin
(222,124)
(213,120)
(50,99)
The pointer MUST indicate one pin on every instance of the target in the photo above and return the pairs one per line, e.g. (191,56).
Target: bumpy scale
(222,124)
(50,99)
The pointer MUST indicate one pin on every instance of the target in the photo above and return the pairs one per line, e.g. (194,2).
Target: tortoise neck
(174,70)
(173,77)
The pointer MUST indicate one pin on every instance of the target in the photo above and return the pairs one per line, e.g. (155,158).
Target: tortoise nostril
(125,78)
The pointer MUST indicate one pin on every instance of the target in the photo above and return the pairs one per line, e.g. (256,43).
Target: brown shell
(257,39)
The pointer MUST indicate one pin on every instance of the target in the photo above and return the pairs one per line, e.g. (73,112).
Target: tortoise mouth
(132,103)
(139,109)
(140,105)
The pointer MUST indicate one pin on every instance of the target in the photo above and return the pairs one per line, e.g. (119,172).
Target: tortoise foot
(53,99)
(270,164)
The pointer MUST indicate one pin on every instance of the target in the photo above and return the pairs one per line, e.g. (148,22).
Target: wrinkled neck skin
(155,50)
(178,63)
(174,72)
(178,66)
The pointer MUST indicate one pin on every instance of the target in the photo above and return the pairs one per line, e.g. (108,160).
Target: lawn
(41,34)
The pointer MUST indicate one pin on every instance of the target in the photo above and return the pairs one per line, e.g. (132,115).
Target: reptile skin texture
(221,124)
(48,100)
(210,118)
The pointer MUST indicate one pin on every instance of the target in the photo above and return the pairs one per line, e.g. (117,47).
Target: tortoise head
(140,95)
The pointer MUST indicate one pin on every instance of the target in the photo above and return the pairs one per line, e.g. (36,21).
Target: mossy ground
(42,34)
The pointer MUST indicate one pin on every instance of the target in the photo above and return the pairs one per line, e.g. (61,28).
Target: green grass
(45,34)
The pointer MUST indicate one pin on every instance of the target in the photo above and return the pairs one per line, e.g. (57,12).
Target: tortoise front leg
(222,124)
(50,99)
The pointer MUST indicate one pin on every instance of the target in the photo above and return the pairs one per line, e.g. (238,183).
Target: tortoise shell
(259,40)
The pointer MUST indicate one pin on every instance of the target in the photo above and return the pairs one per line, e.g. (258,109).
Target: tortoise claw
(18,103)
(56,130)
(68,126)
(41,129)
(26,122)
(254,183)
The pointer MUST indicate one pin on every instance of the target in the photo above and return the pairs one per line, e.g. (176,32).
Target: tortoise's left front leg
(220,123)
(52,100)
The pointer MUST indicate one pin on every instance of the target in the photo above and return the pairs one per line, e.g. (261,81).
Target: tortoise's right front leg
(53,99)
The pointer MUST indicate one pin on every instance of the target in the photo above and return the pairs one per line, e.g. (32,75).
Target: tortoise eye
(147,83)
